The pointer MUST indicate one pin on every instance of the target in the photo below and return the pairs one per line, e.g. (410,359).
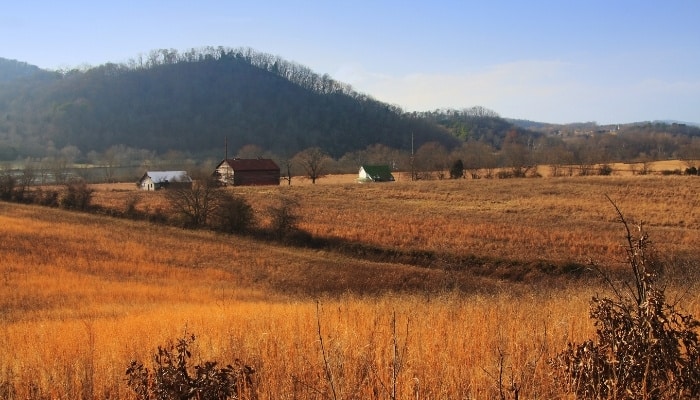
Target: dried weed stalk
(645,347)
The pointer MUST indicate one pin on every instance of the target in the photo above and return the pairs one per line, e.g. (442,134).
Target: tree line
(519,155)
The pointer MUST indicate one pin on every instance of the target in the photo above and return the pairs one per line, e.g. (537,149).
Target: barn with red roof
(248,172)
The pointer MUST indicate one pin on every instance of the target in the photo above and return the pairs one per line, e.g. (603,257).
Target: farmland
(432,289)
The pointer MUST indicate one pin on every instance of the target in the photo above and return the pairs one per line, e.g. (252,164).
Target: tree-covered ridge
(11,70)
(479,124)
(169,108)
(192,101)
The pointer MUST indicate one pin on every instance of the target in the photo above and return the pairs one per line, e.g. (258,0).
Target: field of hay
(484,309)
(513,221)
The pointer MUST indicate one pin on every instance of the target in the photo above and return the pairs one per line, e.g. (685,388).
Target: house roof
(378,172)
(167,176)
(251,164)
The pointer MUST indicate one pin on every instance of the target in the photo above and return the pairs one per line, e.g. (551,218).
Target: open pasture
(550,220)
(513,221)
(84,294)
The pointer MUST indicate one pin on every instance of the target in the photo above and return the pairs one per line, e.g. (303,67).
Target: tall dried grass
(553,219)
(82,295)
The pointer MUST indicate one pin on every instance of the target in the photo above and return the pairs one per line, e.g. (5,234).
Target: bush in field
(645,347)
(47,198)
(283,217)
(607,170)
(7,185)
(77,195)
(233,215)
(194,206)
(207,204)
(14,186)
(172,378)
(130,210)
(457,170)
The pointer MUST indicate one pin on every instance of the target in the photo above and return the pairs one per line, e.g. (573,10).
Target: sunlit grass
(442,346)
(82,295)
(554,219)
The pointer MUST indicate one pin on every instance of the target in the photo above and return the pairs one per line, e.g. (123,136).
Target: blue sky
(552,61)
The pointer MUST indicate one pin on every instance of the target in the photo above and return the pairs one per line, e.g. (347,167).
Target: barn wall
(225,173)
(178,185)
(252,178)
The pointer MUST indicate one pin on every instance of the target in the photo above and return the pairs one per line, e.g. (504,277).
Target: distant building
(155,180)
(375,173)
(248,172)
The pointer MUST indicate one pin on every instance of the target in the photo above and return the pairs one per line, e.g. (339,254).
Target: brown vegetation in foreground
(83,295)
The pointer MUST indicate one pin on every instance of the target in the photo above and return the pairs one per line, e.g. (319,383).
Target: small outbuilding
(375,173)
(248,172)
(155,180)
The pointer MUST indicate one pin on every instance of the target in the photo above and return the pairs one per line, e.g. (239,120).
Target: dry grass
(555,220)
(82,295)
(560,220)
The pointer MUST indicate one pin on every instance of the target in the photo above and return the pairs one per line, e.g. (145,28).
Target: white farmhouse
(155,180)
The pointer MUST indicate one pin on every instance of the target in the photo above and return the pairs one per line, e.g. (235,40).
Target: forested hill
(480,124)
(12,70)
(192,102)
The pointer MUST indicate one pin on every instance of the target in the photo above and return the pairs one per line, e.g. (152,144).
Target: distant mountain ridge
(671,122)
(535,125)
(193,101)
(11,70)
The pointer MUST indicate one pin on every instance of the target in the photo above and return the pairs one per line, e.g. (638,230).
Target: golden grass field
(83,294)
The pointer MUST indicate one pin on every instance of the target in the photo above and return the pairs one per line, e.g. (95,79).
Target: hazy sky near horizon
(551,61)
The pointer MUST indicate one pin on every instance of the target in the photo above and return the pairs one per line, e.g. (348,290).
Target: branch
(640,296)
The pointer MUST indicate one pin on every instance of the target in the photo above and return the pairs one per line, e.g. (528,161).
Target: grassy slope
(83,294)
(508,229)
(559,221)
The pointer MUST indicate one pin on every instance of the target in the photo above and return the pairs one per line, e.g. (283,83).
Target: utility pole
(413,171)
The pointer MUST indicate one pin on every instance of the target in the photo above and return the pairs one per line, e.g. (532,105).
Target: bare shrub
(457,169)
(233,215)
(284,217)
(77,195)
(130,210)
(171,378)
(645,347)
(606,170)
(47,198)
(505,174)
(7,185)
(194,206)
(14,185)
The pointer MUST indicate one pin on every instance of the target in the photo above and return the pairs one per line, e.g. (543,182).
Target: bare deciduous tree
(7,183)
(313,161)
(286,169)
(196,204)
(477,157)
(431,159)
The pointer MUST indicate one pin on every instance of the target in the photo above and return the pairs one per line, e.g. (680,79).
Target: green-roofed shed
(375,173)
